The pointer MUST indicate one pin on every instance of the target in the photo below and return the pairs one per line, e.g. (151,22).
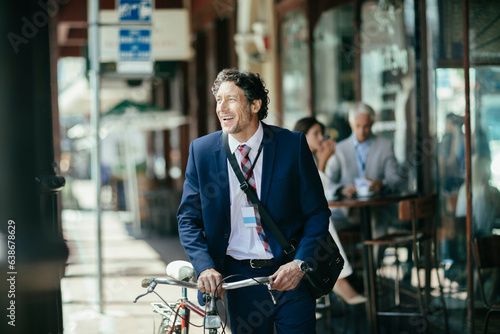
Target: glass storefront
(392,55)
(387,73)
(447,91)
(334,72)
(388,76)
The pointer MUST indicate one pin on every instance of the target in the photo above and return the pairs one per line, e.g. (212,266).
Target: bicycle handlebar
(151,283)
(146,282)
(247,282)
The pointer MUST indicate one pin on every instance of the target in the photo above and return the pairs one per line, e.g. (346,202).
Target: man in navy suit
(219,228)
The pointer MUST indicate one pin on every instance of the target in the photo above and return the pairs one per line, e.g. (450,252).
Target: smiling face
(361,125)
(236,116)
(314,137)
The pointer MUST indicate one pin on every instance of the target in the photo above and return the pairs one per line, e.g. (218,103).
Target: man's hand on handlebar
(208,281)
(287,277)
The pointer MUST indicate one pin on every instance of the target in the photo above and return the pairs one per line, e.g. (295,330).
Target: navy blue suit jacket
(291,190)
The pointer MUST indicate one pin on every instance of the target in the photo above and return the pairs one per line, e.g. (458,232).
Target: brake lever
(269,288)
(150,289)
(140,296)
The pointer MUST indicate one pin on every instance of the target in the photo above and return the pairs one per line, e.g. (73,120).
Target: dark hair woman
(322,150)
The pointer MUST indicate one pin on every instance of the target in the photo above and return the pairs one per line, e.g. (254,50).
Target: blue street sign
(135,10)
(135,44)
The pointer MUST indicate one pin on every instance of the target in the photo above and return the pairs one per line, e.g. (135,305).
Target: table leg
(366,234)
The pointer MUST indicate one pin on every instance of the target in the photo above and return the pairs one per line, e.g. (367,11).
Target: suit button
(226,235)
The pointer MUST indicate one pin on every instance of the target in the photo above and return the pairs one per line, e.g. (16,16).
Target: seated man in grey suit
(363,164)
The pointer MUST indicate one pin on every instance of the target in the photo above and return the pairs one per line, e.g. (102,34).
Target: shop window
(451,159)
(295,67)
(388,76)
(447,110)
(334,69)
(485,142)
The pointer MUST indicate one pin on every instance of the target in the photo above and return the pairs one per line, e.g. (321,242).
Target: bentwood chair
(421,212)
(487,254)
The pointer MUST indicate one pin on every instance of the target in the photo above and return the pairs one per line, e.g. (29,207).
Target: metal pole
(422,102)
(470,268)
(357,49)
(133,191)
(93,41)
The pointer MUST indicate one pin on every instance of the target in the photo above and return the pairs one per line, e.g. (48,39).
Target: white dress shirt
(244,242)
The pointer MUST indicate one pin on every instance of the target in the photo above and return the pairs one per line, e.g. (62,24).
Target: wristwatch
(303,266)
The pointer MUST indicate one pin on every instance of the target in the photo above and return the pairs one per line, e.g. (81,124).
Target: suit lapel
(269,154)
(222,176)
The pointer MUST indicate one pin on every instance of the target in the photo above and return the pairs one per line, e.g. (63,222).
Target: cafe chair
(486,252)
(421,212)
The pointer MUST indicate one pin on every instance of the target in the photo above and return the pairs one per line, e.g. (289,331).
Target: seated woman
(322,150)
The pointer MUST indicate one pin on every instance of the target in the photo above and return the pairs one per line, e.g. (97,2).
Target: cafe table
(364,204)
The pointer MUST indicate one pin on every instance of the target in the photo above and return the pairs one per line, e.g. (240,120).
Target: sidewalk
(126,261)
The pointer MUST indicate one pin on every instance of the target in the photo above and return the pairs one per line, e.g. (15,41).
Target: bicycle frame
(184,308)
(183,311)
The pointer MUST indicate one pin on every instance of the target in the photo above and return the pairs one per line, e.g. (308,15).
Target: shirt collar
(253,142)
(363,144)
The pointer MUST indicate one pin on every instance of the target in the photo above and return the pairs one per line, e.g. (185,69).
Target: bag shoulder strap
(252,196)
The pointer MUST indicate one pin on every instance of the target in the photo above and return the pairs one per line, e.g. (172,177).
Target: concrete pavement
(126,261)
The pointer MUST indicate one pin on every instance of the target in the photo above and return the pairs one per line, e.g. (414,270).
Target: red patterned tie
(246,168)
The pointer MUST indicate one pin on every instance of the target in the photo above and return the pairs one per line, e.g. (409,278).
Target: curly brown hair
(252,84)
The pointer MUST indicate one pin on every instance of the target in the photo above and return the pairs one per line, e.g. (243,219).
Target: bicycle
(176,315)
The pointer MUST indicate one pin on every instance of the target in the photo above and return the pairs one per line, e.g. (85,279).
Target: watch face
(303,266)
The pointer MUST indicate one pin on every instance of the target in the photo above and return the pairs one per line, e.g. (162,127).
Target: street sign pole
(134,56)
